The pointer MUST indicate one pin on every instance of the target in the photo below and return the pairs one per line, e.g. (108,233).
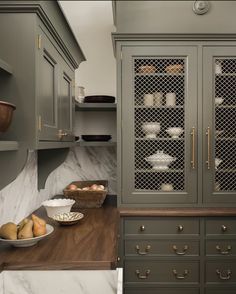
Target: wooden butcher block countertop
(89,244)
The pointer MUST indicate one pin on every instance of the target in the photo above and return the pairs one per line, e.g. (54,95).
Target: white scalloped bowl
(57,206)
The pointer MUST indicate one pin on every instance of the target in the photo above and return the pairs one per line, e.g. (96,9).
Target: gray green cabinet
(176,108)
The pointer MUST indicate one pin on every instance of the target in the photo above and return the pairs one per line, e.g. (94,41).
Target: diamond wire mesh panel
(225,124)
(159,93)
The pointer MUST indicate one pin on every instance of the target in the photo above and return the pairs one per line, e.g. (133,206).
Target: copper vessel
(6,112)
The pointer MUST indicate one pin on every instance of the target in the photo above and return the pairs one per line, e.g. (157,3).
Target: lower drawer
(162,291)
(221,272)
(161,271)
(220,291)
(161,247)
(221,247)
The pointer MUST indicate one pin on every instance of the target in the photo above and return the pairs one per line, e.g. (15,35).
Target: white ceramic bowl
(160,161)
(28,242)
(174,132)
(219,100)
(151,129)
(57,206)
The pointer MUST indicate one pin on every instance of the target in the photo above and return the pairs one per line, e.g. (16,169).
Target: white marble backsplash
(21,197)
(64,282)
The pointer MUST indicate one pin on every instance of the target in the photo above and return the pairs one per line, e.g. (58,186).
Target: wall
(91,22)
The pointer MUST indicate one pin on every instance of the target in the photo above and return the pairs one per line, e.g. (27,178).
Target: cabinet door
(219,143)
(66,105)
(47,89)
(159,92)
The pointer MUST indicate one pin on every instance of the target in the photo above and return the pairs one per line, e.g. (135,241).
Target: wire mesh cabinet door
(159,125)
(219,142)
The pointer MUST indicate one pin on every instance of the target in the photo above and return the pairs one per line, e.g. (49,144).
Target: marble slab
(63,282)
(21,197)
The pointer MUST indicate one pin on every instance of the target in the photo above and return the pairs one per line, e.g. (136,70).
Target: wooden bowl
(6,113)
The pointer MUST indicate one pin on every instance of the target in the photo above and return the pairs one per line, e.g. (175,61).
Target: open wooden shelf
(95,106)
(96,143)
(9,145)
(5,67)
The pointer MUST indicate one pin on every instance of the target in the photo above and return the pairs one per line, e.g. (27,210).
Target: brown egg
(72,187)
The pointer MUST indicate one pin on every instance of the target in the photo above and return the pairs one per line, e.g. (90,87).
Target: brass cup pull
(224,275)
(145,252)
(142,228)
(183,252)
(180,276)
(223,228)
(193,147)
(180,228)
(142,277)
(208,148)
(223,252)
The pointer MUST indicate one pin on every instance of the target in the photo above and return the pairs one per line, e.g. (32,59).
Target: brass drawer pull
(223,228)
(145,252)
(183,252)
(193,147)
(208,148)
(179,276)
(180,228)
(142,277)
(226,275)
(223,252)
(142,228)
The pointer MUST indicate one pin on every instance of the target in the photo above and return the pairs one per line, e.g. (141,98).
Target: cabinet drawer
(222,226)
(161,247)
(221,247)
(158,290)
(221,272)
(162,225)
(161,271)
(220,291)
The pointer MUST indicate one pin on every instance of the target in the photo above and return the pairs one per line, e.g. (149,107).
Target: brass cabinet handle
(142,277)
(145,252)
(62,134)
(180,276)
(193,147)
(226,275)
(180,228)
(223,228)
(208,134)
(142,228)
(223,252)
(183,252)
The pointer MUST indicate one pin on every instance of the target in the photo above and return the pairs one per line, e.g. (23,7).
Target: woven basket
(87,199)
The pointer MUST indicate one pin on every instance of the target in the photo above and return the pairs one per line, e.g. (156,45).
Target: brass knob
(62,134)
(142,228)
(180,228)
(118,258)
(223,228)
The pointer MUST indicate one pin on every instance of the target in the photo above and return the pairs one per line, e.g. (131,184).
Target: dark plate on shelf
(96,137)
(99,99)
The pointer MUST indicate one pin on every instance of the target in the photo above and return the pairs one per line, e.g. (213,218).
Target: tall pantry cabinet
(176,146)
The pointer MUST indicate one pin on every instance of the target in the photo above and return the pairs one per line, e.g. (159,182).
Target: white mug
(167,187)
(158,96)
(148,99)
(170,99)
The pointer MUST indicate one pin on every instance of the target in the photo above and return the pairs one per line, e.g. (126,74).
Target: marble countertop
(90,244)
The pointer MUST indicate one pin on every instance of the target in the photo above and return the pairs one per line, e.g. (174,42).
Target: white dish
(151,129)
(160,161)
(218,101)
(167,187)
(57,206)
(174,132)
(68,218)
(28,242)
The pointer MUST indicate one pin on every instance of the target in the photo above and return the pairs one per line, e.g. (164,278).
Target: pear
(8,231)
(27,231)
(39,226)
(22,223)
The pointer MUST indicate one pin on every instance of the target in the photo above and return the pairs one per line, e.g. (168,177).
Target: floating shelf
(96,143)
(5,67)
(160,139)
(53,145)
(9,145)
(95,106)
(226,75)
(159,107)
(160,74)
(159,171)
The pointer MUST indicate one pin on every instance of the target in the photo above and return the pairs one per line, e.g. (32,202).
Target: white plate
(28,242)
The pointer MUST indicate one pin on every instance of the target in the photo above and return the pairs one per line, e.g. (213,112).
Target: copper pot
(6,112)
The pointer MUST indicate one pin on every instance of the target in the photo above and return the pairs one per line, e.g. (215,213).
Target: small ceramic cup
(167,187)
(148,100)
(170,99)
(158,96)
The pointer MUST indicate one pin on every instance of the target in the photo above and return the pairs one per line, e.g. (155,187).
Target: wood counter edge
(177,211)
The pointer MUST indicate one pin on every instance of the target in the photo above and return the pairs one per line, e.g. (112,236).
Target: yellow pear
(22,223)
(8,231)
(27,231)
(39,226)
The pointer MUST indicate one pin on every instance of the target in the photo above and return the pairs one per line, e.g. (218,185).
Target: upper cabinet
(44,54)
